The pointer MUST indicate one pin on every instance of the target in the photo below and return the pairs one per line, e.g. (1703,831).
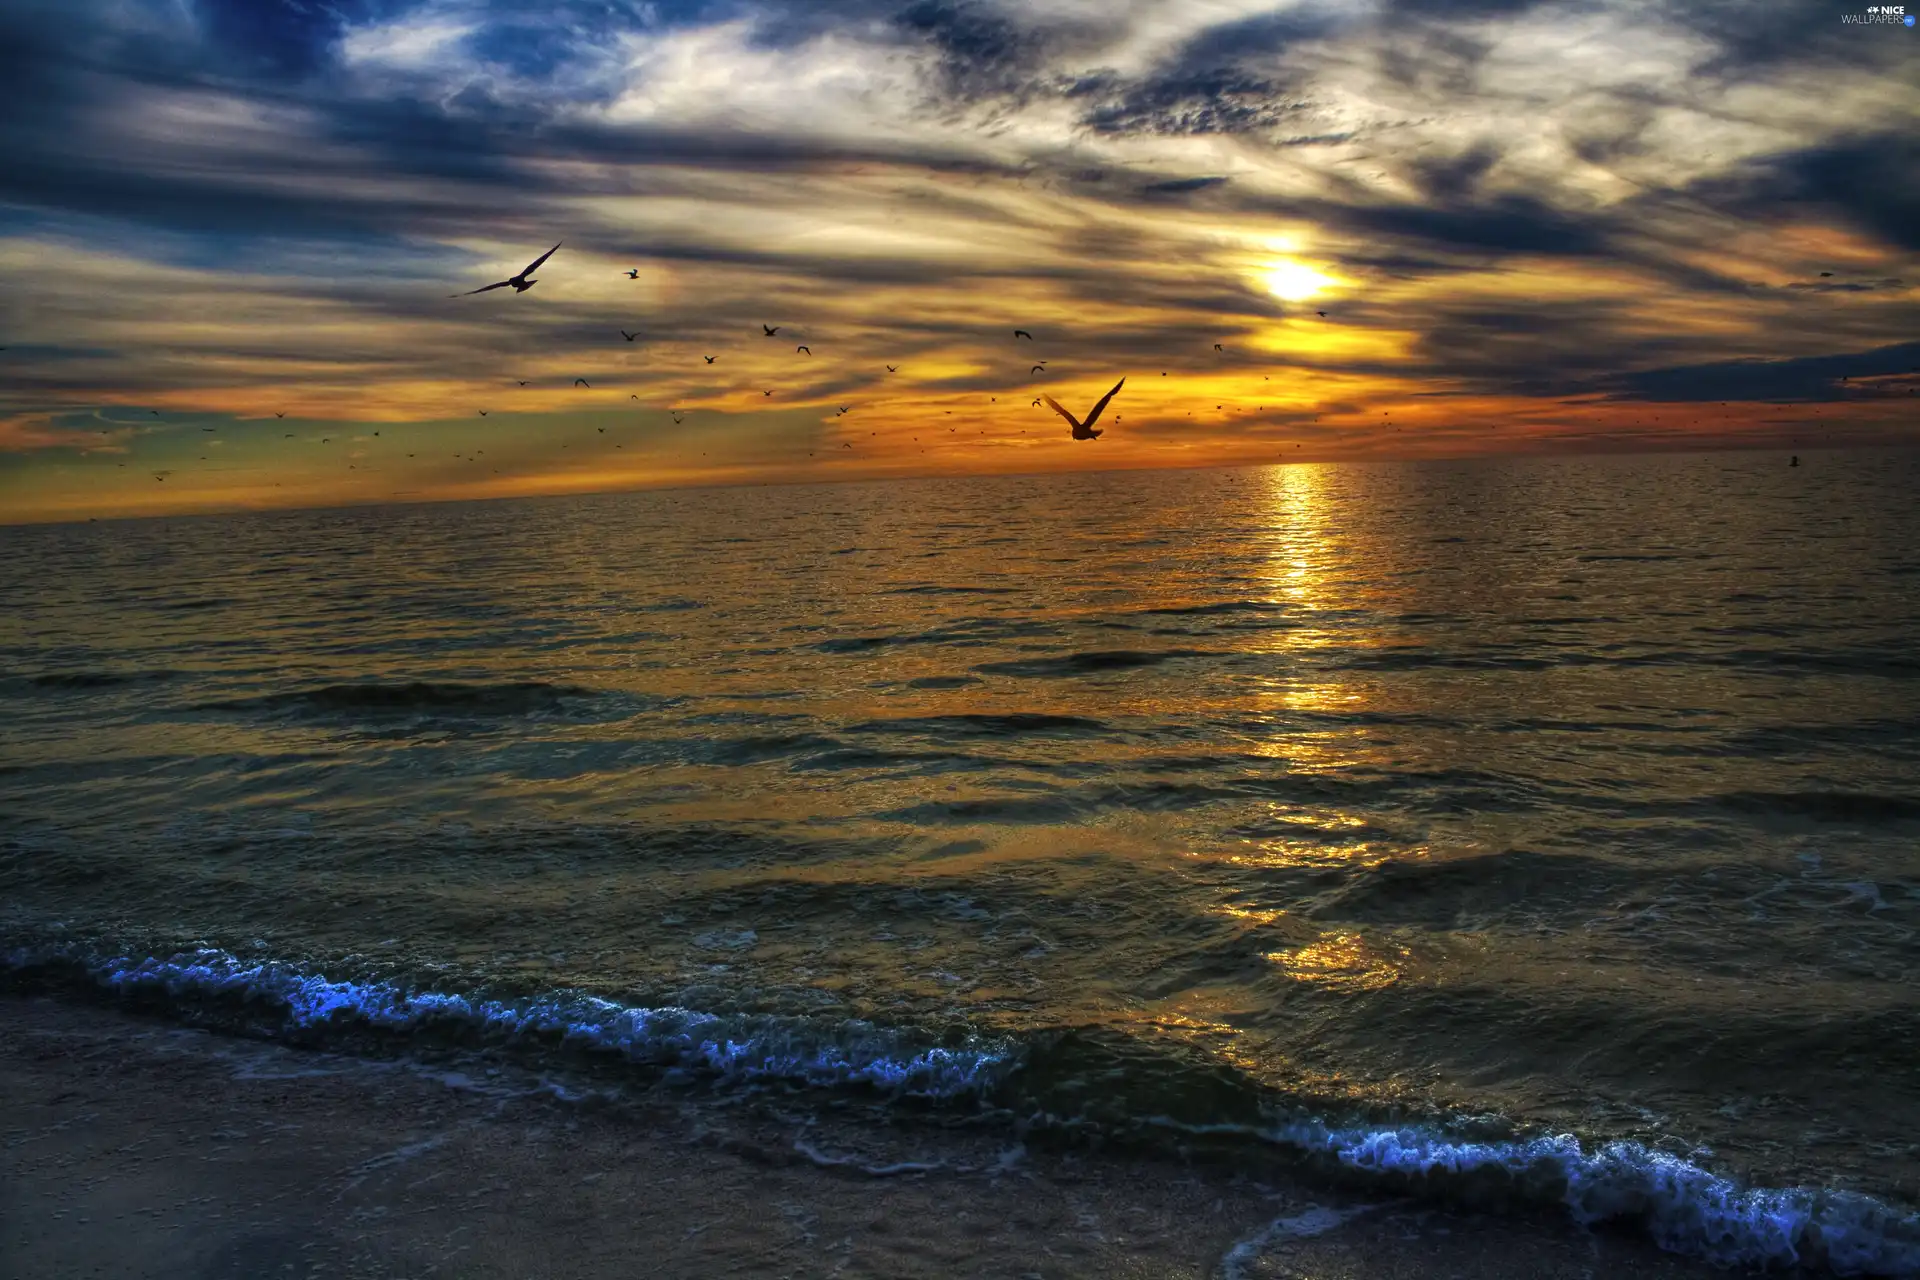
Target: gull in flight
(521,283)
(709,359)
(771,329)
(799,349)
(632,273)
(1084,430)
(1218,347)
(1022,333)
(893,368)
(1039,368)
(582,382)
(628,336)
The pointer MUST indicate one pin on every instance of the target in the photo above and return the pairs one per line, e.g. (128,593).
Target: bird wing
(535,264)
(1055,405)
(582,382)
(469,293)
(1095,415)
(1039,368)
(1022,333)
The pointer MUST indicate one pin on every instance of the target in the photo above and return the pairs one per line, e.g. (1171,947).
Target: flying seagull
(634,397)
(483,413)
(766,393)
(1039,368)
(709,359)
(804,348)
(893,368)
(521,283)
(632,273)
(1022,333)
(279,415)
(582,382)
(1084,430)
(771,329)
(1218,347)
(628,336)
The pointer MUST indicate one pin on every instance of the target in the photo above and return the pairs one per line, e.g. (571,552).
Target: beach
(136,1148)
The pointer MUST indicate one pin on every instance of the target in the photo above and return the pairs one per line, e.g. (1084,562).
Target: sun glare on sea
(1296,281)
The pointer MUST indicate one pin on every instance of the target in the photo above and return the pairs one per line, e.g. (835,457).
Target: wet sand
(136,1148)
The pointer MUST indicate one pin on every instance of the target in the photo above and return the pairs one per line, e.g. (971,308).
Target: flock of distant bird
(524,280)
(1080,430)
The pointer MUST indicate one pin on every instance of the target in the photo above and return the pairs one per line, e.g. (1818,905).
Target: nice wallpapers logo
(1881,14)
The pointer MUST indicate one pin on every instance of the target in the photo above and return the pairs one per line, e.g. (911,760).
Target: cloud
(1869,181)
(1807,378)
(216,203)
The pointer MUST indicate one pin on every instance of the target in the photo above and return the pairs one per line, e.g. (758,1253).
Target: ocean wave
(1081,664)
(1074,1083)
(737,1047)
(1855,807)
(1685,1208)
(77,681)
(411,698)
(984,725)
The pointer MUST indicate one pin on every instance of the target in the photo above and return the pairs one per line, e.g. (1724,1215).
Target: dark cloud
(279,37)
(1220,80)
(981,53)
(1869,181)
(1502,225)
(1181,186)
(1217,100)
(1807,378)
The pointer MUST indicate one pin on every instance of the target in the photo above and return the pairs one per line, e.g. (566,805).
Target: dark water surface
(1553,820)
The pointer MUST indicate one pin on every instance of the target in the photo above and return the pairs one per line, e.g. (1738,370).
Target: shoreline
(135,1147)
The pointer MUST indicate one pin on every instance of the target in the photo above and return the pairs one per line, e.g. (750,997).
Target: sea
(1541,829)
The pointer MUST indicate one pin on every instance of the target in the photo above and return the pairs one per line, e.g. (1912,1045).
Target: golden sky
(1411,229)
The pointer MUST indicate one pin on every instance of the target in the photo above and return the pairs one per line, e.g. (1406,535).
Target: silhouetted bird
(1321,314)
(1218,347)
(628,336)
(766,393)
(892,369)
(1084,430)
(771,329)
(522,384)
(582,382)
(1039,368)
(1824,274)
(1022,333)
(632,274)
(483,413)
(709,359)
(279,415)
(802,348)
(521,283)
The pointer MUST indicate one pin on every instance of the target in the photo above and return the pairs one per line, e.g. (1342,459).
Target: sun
(1296,281)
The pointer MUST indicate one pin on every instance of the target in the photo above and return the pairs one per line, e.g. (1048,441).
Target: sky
(230,229)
